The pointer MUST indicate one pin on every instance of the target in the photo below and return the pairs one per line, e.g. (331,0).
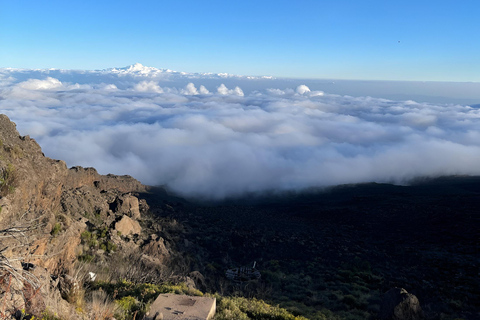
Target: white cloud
(36,84)
(302,89)
(316,93)
(190,89)
(148,86)
(222,89)
(109,87)
(203,90)
(226,142)
(238,91)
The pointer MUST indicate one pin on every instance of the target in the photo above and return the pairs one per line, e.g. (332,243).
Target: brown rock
(128,226)
(58,254)
(126,204)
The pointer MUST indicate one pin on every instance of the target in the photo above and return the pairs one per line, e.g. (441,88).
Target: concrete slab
(181,307)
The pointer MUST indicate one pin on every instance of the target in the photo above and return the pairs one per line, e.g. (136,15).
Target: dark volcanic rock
(398,304)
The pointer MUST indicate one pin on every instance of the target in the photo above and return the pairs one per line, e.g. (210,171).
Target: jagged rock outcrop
(46,192)
(126,204)
(398,304)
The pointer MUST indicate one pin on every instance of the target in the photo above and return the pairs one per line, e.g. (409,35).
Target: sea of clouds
(217,141)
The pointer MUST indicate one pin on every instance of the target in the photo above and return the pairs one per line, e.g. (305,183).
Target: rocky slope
(51,216)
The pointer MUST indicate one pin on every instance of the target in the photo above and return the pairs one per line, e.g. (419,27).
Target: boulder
(126,204)
(128,226)
(398,304)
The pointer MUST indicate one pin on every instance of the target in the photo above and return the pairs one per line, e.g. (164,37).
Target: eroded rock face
(58,254)
(84,200)
(398,304)
(37,180)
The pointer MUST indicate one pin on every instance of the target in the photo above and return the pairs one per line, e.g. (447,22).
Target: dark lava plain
(333,253)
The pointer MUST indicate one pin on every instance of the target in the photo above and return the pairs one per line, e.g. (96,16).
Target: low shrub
(7,180)
(128,308)
(56,229)
(229,308)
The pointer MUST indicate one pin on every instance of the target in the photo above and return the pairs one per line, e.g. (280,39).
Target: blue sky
(383,40)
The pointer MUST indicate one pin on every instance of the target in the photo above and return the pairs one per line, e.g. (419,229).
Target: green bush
(144,292)
(48,315)
(229,308)
(56,229)
(128,307)
(86,236)
(111,247)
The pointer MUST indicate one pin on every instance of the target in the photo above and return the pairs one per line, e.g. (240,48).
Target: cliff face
(39,182)
(44,191)
(57,209)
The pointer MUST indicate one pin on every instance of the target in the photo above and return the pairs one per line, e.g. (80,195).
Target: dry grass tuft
(101,307)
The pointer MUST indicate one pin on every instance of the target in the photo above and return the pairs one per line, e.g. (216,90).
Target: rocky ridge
(51,216)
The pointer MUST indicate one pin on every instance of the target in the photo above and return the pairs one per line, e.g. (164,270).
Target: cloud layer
(221,142)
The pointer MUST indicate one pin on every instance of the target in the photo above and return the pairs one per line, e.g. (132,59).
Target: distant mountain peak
(136,66)
(137,69)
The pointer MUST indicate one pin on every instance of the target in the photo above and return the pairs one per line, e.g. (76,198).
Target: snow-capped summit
(137,69)
(140,68)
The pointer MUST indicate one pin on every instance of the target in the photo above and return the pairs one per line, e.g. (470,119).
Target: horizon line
(264,76)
